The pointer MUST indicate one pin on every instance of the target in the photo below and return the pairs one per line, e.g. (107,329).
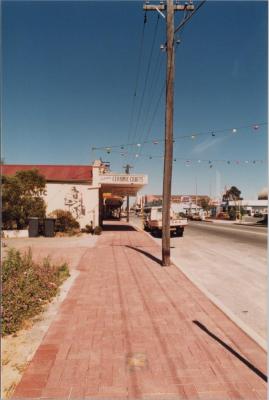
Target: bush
(22,198)
(26,287)
(97,230)
(64,221)
(88,228)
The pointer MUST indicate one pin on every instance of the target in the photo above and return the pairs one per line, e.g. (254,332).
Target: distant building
(251,206)
(179,198)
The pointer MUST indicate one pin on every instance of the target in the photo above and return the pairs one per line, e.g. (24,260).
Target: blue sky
(69,76)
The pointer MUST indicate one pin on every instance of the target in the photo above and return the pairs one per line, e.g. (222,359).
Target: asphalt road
(251,235)
(230,262)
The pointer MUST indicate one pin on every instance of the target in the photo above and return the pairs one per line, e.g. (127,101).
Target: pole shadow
(118,228)
(232,351)
(147,254)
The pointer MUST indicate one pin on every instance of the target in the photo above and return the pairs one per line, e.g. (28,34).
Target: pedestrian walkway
(130,328)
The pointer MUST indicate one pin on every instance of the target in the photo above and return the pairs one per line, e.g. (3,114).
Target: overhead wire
(181,26)
(183,22)
(155,110)
(146,79)
(152,89)
(186,18)
(137,76)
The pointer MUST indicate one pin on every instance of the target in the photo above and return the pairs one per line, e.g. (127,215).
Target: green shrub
(64,221)
(26,287)
(97,230)
(88,228)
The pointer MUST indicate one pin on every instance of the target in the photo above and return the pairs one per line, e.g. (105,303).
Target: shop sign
(123,179)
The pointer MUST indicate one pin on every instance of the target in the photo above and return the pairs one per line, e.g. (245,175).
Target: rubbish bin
(41,228)
(49,224)
(33,229)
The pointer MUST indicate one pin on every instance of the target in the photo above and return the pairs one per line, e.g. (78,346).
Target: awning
(122,184)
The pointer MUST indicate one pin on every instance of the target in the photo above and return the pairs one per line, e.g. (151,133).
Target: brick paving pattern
(126,331)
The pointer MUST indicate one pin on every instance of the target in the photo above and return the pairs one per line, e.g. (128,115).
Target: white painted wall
(81,199)
(15,234)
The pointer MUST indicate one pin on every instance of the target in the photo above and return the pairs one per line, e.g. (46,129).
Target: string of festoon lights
(194,161)
(211,133)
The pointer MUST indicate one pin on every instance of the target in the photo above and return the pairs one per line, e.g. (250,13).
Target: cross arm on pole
(162,7)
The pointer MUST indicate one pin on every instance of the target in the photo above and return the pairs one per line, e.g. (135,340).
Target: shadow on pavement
(153,258)
(118,228)
(231,350)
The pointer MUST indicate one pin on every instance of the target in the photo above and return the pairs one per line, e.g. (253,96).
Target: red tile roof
(54,173)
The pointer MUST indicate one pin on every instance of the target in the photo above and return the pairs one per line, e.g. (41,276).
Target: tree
(233,194)
(232,213)
(205,204)
(22,198)
(263,195)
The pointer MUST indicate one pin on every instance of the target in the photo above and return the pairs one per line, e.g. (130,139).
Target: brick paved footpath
(126,331)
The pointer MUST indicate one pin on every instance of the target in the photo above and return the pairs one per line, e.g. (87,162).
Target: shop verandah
(114,189)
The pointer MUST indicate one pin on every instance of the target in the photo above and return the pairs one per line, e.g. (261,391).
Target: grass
(26,287)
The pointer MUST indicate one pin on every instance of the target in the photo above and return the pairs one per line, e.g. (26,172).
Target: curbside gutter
(248,331)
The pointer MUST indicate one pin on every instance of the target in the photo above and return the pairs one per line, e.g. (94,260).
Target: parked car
(223,215)
(196,217)
(257,214)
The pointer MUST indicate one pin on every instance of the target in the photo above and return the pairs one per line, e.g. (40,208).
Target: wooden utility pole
(169,116)
(168,155)
(127,171)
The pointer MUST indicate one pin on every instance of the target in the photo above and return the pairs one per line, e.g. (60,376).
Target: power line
(152,89)
(137,75)
(153,116)
(185,20)
(186,17)
(155,110)
(146,78)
